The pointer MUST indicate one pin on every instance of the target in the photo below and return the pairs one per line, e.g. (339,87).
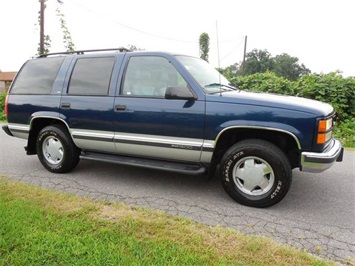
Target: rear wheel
(256,173)
(56,150)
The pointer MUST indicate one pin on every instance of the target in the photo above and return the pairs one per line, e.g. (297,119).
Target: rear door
(87,104)
(146,124)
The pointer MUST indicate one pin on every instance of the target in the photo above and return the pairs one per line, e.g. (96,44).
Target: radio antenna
(219,63)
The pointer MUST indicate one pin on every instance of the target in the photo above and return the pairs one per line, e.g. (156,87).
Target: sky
(320,33)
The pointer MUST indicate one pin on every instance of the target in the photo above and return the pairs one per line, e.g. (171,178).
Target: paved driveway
(318,214)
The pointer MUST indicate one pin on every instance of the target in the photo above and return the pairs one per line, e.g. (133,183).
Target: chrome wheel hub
(52,150)
(253,176)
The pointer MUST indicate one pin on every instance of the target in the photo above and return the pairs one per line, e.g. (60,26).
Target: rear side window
(91,76)
(37,76)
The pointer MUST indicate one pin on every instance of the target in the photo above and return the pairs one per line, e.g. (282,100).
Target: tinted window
(91,76)
(37,76)
(149,76)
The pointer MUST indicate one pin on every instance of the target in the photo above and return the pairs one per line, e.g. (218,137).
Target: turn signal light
(321,138)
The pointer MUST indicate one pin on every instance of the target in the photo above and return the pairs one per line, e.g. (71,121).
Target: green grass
(39,227)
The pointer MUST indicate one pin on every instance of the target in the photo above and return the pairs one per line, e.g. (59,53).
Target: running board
(177,167)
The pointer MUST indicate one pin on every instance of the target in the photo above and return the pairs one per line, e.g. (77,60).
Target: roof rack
(121,49)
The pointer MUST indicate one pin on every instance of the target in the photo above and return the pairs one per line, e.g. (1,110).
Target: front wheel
(56,150)
(256,173)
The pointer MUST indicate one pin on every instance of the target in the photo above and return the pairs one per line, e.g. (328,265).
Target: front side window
(150,76)
(37,76)
(91,76)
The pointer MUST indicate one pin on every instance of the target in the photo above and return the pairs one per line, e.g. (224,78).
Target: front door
(146,124)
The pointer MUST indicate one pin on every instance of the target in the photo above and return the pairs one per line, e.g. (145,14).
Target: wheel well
(36,126)
(282,140)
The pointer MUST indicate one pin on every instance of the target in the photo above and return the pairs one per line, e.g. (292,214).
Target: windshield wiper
(221,85)
(222,88)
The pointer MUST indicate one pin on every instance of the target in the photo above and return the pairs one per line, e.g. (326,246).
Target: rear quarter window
(37,76)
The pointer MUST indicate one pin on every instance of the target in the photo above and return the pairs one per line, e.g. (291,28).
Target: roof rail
(121,49)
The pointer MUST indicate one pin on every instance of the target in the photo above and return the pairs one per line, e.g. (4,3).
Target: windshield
(205,74)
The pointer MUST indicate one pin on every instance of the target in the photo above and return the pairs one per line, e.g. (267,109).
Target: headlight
(325,127)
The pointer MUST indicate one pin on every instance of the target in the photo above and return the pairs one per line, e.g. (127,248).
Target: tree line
(261,61)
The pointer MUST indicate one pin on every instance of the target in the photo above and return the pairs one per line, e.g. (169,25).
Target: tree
(47,45)
(257,61)
(133,47)
(288,67)
(45,41)
(230,71)
(67,39)
(261,61)
(204,42)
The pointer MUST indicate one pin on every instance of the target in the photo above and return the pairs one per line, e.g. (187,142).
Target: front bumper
(316,162)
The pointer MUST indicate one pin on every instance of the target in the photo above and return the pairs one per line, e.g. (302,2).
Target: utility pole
(245,51)
(41,33)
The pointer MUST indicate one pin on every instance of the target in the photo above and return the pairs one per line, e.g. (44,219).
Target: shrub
(344,131)
(2,106)
(331,88)
(264,82)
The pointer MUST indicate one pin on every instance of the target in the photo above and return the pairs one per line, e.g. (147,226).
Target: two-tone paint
(166,129)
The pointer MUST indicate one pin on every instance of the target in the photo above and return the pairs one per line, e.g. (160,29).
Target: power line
(235,48)
(143,31)
(133,28)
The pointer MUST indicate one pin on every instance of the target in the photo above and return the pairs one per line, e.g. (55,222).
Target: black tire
(256,173)
(56,149)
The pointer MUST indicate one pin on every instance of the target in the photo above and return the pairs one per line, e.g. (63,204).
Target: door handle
(65,105)
(120,107)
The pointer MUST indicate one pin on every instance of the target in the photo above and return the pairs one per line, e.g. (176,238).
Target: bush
(344,131)
(2,106)
(330,88)
(264,82)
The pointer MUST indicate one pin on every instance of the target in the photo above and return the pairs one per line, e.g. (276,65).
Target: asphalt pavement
(317,215)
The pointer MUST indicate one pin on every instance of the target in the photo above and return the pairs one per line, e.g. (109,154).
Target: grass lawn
(40,227)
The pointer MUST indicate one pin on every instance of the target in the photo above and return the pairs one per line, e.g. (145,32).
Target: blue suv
(168,112)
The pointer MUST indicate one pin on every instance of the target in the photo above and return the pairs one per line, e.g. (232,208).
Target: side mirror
(182,93)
